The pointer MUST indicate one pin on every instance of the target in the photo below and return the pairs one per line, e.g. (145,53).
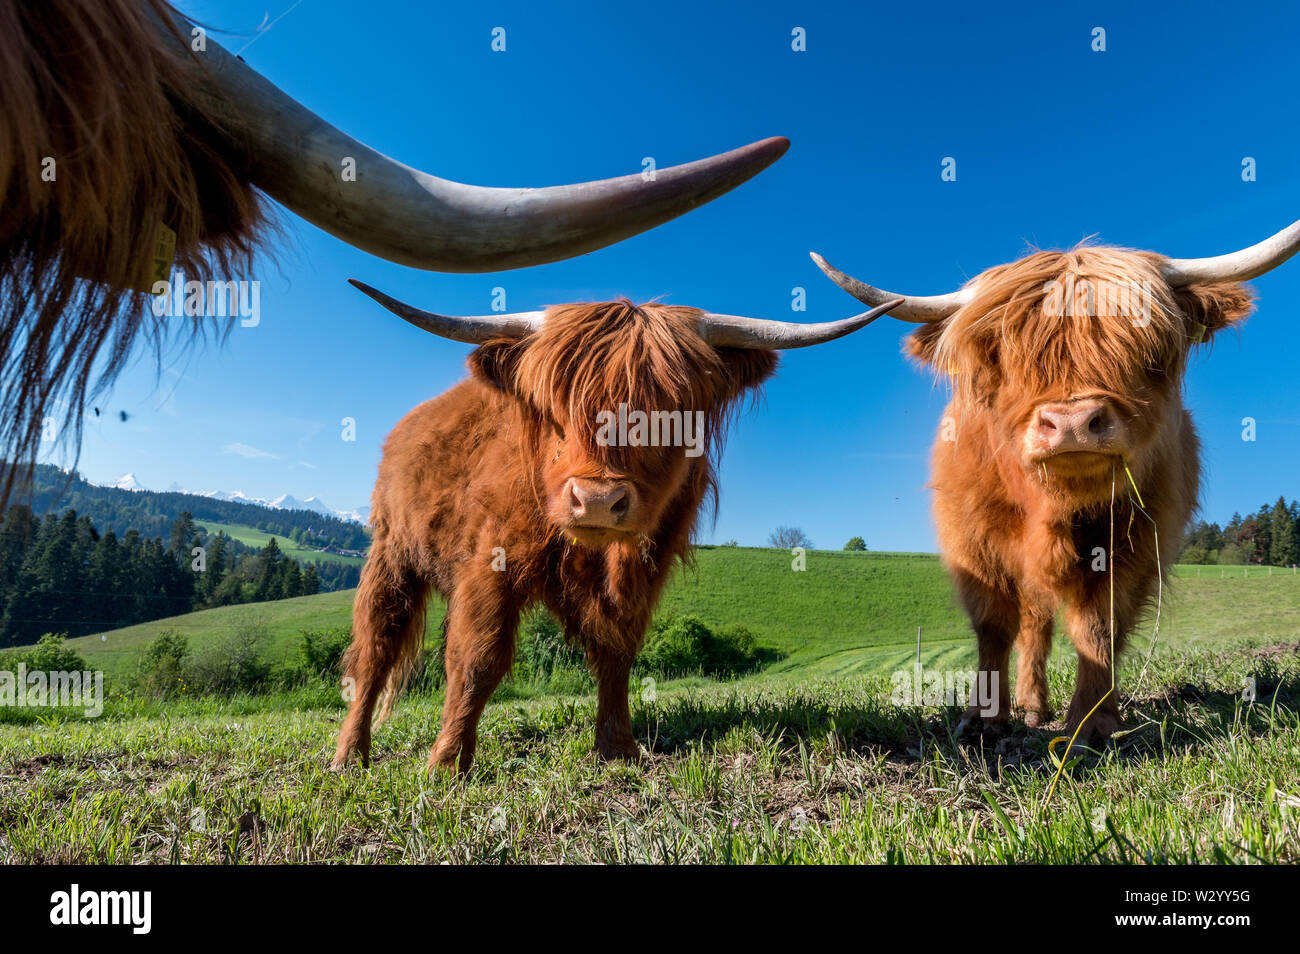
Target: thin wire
(258,35)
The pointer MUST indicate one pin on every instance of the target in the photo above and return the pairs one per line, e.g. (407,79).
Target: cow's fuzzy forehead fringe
(1015,327)
(590,358)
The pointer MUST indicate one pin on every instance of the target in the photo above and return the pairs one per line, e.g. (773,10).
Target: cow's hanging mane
(90,87)
(1008,336)
(589,358)
(1008,325)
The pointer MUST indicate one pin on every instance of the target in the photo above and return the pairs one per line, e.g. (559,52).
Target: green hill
(252,537)
(846,613)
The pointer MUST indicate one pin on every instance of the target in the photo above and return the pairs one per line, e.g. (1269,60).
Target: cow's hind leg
(1034,645)
(479,650)
(995,616)
(387,634)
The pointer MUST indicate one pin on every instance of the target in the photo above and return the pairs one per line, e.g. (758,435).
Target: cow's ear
(1211,307)
(496,362)
(746,369)
(924,341)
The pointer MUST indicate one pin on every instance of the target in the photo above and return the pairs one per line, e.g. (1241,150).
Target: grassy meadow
(804,761)
(252,537)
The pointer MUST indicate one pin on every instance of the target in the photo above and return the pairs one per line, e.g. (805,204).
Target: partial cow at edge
(505,492)
(1066,371)
(129,140)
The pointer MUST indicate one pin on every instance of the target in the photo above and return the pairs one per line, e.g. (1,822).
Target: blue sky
(1141,145)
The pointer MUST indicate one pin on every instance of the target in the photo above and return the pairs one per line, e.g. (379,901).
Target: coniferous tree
(214,571)
(291,580)
(1282,541)
(106,584)
(182,532)
(1264,535)
(269,572)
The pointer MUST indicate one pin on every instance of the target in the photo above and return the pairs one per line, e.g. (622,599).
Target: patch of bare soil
(1277,650)
(34,766)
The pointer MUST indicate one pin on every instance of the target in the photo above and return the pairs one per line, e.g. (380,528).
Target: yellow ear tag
(1199,336)
(157,267)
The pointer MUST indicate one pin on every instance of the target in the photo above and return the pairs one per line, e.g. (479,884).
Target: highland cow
(1066,466)
(521,485)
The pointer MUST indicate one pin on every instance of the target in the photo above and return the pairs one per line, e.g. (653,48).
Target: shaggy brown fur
(90,85)
(484,466)
(1019,534)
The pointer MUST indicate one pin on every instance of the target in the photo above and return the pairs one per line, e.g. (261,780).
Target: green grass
(820,771)
(283,621)
(805,762)
(846,613)
(252,537)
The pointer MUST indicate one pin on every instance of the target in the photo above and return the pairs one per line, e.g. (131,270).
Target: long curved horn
(472,330)
(1239,266)
(419,220)
(918,309)
(721,331)
(733,331)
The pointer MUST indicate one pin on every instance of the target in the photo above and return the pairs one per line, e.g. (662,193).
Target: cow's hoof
(450,757)
(1037,717)
(1080,749)
(627,749)
(446,763)
(974,727)
(342,757)
(1096,731)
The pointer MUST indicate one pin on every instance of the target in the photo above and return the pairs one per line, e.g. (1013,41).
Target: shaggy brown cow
(126,129)
(512,489)
(1066,368)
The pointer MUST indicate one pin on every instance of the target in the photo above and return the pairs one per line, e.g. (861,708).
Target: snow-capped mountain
(238,496)
(356,514)
(315,505)
(282,502)
(127,482)
(290,502)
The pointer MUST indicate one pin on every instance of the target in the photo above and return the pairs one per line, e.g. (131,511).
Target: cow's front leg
(1090,631)
(994,615)
(612,668)
(481,622)
(1034,645)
